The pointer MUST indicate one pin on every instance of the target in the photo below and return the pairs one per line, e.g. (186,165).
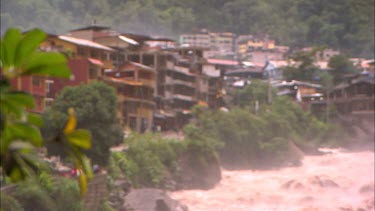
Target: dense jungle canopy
(347,25)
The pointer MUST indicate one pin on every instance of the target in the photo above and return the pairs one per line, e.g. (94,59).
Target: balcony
(147,82)
(170,80)
(183,97)
(136,99)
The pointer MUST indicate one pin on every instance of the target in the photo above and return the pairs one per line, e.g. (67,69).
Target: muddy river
(336,181)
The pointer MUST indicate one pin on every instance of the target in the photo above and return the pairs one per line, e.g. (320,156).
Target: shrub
(32,197)
(9,203)
(46,194)
(259,140)
(148,161)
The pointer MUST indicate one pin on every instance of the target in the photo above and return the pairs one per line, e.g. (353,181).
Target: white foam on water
(312,186)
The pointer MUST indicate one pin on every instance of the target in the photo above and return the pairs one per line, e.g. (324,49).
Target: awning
(95,62)
(123,81)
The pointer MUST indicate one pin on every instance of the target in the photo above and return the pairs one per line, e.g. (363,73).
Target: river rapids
(338,180)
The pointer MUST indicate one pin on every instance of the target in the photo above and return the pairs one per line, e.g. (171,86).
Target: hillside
(344,24)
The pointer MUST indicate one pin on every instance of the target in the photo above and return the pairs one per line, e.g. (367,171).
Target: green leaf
(35,119)
(86,164)
(8,47)
(46,63)
(19,97)
(16,174)
(80,138)
(21,146)
(29,44)
(15,102)
(61,71)
(25,132)
(82,184)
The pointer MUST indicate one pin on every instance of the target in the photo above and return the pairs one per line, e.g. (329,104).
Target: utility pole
(269,95)
(327,105)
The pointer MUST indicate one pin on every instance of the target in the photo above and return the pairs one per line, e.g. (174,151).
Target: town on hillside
(158,80)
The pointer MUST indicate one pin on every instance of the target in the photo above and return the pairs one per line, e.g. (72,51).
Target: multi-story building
(135,84)
(184,83)
(258,50)
(38,86)
(323,55)
(216,70)
(356,94)
(219,43)
(86,59)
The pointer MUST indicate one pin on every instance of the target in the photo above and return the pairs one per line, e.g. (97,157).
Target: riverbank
(339,180)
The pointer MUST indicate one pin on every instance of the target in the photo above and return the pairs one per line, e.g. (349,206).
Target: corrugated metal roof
(83,42)
(92,27)
(135,64)
(222,62)
(293,83)
(128,40)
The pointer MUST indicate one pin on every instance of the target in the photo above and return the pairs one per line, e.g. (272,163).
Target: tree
(297,23)
(256,91)
(95,106)
(327,83)
(339,66)
(19,129)
(306,70)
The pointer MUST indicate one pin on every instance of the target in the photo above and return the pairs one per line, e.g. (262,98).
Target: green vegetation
(153,161)
(19,129)
(305,70)
(256,140)
(239,138)
(339,66)
(148,160)
(292,22)
(95,108)
(255,91)
(60,194)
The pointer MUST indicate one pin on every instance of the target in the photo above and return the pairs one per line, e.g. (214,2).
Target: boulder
(198,173)
(292,184)
(367,189)
(149,199)
(323,182)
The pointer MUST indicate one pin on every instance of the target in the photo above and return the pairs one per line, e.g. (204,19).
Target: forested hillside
(344,24)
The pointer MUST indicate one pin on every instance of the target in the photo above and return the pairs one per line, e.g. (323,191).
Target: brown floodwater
(336,181)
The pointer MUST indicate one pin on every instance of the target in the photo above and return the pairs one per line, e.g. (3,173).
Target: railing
(183,97)
(183,70)
(148,101)
(148,82)
(171,80)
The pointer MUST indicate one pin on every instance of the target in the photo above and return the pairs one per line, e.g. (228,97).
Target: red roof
(222,62)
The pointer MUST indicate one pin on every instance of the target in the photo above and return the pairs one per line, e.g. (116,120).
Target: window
(80,51)
(94,54)
(37,81)
(133,123)
(93,73)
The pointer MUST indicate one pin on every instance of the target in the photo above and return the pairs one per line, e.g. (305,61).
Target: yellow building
(135,84)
